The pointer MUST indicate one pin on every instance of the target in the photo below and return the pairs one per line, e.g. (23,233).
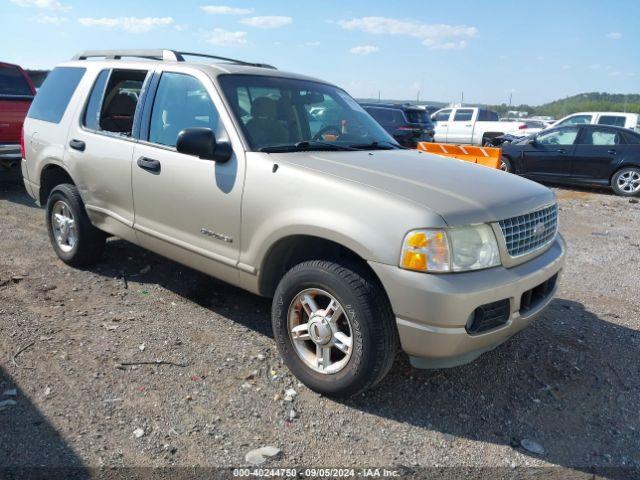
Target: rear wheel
(75,240)
(334,327)
(626,182)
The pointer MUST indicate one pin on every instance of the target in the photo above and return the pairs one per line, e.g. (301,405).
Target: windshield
(276,113)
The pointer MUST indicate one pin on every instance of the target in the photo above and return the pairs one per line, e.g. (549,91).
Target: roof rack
(159,54)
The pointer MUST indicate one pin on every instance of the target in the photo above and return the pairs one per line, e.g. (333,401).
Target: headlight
(451,250)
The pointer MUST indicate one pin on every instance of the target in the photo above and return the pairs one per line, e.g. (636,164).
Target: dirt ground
(570,383)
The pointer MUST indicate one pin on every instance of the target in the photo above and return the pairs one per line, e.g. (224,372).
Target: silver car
(283,185)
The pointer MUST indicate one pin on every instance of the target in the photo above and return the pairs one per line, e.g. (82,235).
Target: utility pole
(510,98)
(462,99)
(378,96)
(418,97)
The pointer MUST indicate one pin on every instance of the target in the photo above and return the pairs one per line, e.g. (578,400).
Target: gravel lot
(570,382)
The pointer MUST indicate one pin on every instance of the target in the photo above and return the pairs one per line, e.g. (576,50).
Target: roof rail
(159,54)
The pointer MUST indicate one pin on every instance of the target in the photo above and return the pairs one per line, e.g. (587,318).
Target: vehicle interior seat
(264,126)
(118,115)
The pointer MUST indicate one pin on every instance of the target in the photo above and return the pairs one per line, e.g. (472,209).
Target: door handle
(149,164)
(611,152)
(469,125)
(561,150)
(78,145)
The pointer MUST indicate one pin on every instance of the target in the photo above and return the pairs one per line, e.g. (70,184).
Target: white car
(475,126)
(614,119)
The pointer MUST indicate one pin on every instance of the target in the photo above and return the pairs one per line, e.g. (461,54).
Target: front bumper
(432,310)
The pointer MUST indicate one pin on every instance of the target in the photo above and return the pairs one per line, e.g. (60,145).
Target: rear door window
(53,97)
(613,120)
(463,115)
(121,100)
(600,137)
(13,83)
(383,116)
(443,116)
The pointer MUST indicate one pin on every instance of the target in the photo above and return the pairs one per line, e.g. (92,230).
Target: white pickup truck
(474,126)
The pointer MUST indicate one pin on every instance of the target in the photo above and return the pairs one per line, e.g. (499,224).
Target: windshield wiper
(305,146)
(375,145)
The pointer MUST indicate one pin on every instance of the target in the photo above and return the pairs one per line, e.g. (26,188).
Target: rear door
(550,156)
(598,151)
(101,147)
(16,94)
(461,126)
(441,126)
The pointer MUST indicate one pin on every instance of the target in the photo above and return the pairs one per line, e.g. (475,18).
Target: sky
(492,49)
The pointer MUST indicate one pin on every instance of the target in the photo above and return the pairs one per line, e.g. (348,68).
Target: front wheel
(626,182)
(505,165)
(334,327)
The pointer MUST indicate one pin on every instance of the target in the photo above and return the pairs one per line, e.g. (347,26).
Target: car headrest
(122,104)
(264,107)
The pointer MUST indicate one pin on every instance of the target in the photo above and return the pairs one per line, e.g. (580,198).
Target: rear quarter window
(613,120)
(53,97)
(13,83)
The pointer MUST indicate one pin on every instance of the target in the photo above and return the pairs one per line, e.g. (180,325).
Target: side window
(443,116)
(577,120)
(53,97)
(91,118)
(463,115)
(398,117)
(613,120)
(564,136)
(383,116)
(181,102)
(632,138)
(600,137)
(13,83)
(120,101)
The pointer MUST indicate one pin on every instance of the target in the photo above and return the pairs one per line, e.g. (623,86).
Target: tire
(367,315)
(505,165)
(79,243)
(626,182)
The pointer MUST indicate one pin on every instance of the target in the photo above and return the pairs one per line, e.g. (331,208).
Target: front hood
(460,192)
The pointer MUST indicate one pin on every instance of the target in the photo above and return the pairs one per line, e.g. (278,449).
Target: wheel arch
(52,175)
(293,249)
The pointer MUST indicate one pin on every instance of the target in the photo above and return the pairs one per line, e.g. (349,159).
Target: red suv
(16,93)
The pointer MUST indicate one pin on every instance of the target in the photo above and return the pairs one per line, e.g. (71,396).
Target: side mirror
(201,142)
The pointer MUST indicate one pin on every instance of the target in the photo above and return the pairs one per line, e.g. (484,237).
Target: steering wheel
(333,129)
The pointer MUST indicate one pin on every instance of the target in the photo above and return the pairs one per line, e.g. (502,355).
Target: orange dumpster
(489,157)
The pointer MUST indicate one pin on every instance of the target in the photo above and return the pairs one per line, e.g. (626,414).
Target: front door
(441,126)
(550,155)
(187,208)
(461,127)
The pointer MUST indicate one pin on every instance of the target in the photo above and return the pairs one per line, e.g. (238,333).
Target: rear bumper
(432,311)
(10,153)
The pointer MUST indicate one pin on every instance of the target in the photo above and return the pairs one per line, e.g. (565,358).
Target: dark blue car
(593,155)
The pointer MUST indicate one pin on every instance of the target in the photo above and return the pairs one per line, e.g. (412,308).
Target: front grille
(525,233)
